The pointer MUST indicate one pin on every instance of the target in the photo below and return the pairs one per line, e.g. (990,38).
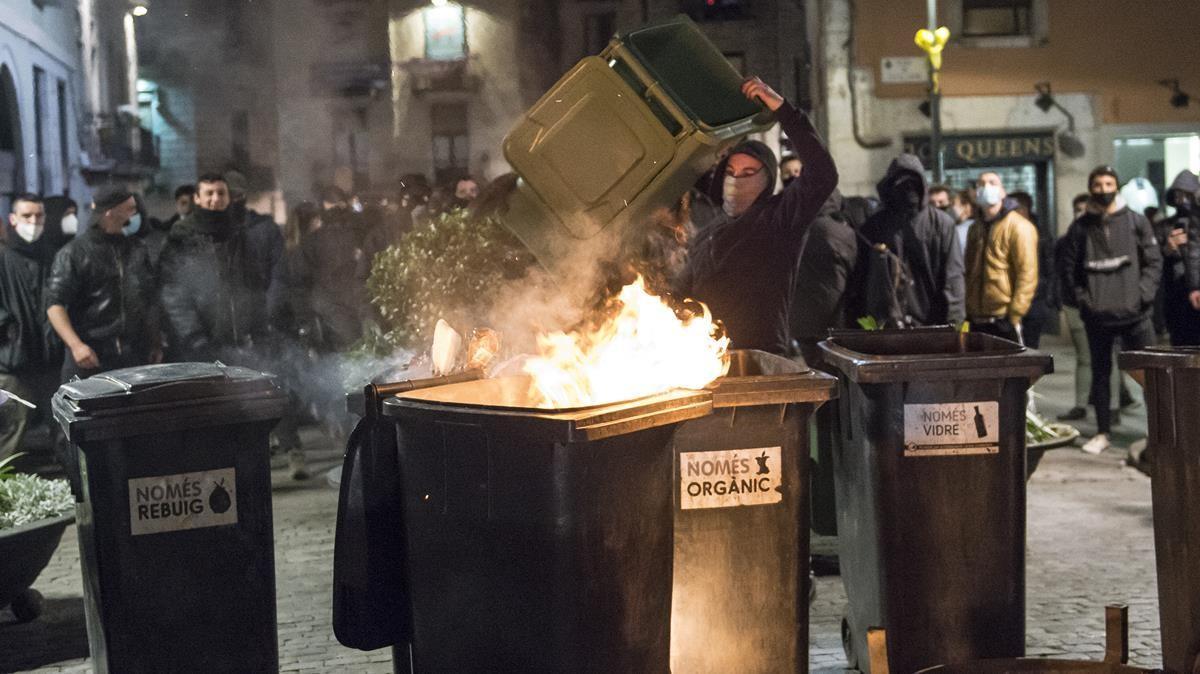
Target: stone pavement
(1090,542)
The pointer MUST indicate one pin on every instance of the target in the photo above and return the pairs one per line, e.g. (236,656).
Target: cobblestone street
(1090,542)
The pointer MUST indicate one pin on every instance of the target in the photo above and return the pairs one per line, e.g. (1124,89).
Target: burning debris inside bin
(640,347)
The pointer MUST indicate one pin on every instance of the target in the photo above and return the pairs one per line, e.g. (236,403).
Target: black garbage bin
(1172,387)
(175,536)
(537,540)
(930,479)
(740,599)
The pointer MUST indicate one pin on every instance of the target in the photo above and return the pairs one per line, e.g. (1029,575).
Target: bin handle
(654,89)
(877,650)
(376,393)
(1116,634)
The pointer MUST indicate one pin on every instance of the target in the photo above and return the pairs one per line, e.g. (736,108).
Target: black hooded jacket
(744,268)
(27,342)
(1181,268)
(1112,265)
(823,277)
(924,238)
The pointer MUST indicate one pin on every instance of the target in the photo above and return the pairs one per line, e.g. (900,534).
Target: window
(996,18)
(39,128)
(451,141)
(445,33)
(998,23)
(717,10)
(64,142)
(598,29)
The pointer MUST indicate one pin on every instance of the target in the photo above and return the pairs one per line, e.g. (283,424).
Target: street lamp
(140,7)
(1068,143)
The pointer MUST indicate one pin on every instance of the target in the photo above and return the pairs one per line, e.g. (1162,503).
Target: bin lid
(693,71)
(173,382)
(930,353)
(760,378)
(1160,357)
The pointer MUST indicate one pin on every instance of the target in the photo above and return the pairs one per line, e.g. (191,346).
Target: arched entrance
(11,173)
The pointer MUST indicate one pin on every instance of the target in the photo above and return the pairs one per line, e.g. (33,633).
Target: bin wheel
(848,646)
(28,605)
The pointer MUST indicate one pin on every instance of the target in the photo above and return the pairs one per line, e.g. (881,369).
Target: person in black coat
(211,283)
(743,263)
(29,351)
(910,266)
(1179,239)
(1112,267)
(826,267)
(101,296)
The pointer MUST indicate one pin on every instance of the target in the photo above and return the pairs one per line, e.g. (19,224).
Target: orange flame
(642,350)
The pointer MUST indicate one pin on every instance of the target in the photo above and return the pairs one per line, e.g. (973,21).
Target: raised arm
(803,198)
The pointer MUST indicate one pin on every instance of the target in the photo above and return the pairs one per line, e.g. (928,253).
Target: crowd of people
(214,281)
(779,266)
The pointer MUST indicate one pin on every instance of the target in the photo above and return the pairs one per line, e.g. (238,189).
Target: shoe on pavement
(1073,414)
(1097,444)
(298,465)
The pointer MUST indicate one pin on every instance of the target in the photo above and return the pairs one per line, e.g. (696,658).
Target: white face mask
(70,224)
(28,231)
(988,195)
(739,193)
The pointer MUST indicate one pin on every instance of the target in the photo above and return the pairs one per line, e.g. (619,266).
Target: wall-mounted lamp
(139,7)
(1179,99)
(1068,143)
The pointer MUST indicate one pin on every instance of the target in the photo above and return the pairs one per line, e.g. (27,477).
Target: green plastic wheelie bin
(621,135)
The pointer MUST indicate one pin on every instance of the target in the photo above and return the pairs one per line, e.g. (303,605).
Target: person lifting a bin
(743,265)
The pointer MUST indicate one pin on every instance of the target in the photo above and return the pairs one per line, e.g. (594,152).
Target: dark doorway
(11,173)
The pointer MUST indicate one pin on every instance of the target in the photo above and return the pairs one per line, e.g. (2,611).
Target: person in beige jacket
(1001,263)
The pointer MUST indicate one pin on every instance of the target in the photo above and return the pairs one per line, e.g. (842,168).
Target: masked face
(905,194)
(740,192)
(745,181)
(133,226)
(70,224)
(1103,190)
(988,195)
(28,219)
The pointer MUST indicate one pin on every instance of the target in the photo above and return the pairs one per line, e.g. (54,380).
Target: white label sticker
(183,501)
(730,478)
(952,429)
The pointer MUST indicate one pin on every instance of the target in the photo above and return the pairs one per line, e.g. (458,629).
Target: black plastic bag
(370,585)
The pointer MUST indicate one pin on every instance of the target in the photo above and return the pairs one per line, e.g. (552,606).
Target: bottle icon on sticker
(763,469)
(980,424)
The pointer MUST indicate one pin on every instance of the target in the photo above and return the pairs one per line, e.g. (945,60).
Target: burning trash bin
(537,539)
(175,535)
(624,133)
(930,479)
(741,524)
(1172,381)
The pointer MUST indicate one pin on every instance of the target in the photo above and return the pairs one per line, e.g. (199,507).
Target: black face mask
(216,224)
(787,180)
(1104,199)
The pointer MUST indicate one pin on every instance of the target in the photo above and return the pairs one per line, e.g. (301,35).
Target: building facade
(462,74)
(1101,62)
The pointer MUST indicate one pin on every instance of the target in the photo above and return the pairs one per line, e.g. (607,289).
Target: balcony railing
(117,144)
